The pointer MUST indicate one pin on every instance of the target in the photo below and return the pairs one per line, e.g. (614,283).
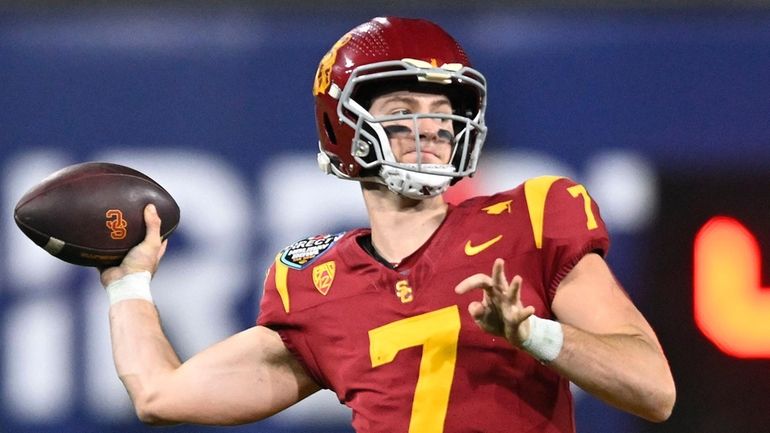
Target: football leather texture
(91,214)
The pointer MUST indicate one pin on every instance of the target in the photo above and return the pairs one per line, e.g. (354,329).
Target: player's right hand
(143,257)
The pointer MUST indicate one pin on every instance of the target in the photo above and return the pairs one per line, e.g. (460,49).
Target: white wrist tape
(130,286)
(545,339)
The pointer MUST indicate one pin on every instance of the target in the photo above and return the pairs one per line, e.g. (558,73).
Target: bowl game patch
(303,252)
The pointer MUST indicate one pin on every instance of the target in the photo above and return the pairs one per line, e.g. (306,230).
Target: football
(91,214)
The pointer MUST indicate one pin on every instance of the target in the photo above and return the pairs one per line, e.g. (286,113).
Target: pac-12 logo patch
(302,253)
(323,276)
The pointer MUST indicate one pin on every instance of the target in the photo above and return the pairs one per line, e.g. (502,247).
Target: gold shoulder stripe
(281,277)
(535,191)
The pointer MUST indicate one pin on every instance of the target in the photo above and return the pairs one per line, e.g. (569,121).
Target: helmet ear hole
(371,155)
(329,130)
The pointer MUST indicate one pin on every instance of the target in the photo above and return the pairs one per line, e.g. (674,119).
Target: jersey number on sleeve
(437,332)
(580,190)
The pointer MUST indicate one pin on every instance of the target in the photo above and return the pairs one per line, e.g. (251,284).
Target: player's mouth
(426,157)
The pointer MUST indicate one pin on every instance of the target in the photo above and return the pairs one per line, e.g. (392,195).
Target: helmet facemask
(371,147)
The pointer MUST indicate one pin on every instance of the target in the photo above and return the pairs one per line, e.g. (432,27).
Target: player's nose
(433,130)
(429,128)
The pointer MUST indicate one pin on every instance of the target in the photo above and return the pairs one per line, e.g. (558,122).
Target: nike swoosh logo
(471,250)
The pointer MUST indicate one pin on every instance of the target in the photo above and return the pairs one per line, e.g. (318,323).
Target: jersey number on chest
(437,332)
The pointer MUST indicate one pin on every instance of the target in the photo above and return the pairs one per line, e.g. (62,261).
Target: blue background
(686,90)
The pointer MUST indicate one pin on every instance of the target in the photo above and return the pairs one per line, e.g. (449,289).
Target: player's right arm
(245,378)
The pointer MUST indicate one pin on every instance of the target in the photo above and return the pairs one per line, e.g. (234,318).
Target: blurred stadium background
(661,108)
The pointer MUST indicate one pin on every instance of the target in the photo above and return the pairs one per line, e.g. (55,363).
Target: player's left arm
(600,340)
(606,346)
(609,348)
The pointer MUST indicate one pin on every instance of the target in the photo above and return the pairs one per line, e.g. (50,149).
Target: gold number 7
(437,332)
(578,190)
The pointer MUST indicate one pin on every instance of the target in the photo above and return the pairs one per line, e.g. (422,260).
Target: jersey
(398,346)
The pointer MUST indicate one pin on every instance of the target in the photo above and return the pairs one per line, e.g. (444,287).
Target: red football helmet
(385,55)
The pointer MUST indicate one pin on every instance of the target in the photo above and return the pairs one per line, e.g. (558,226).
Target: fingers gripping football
(143,257)
(500,312)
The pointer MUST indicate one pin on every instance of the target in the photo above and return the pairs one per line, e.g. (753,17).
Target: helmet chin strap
(414,184)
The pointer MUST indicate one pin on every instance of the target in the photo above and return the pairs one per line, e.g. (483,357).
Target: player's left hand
(500,312)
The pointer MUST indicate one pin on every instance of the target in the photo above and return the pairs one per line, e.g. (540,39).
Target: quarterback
(436,318)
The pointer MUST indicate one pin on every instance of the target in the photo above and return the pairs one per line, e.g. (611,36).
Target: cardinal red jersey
(398,346)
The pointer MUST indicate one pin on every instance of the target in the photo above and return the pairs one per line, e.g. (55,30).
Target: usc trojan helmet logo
(323,76)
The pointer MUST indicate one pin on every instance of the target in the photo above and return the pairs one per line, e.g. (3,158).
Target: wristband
(130,286)
(545,339)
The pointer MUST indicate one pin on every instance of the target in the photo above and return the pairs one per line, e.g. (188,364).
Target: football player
(413,322)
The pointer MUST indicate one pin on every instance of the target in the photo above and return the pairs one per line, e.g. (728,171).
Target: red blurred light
(730,306)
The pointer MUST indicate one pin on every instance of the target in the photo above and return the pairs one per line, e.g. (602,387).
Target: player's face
(436,135)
